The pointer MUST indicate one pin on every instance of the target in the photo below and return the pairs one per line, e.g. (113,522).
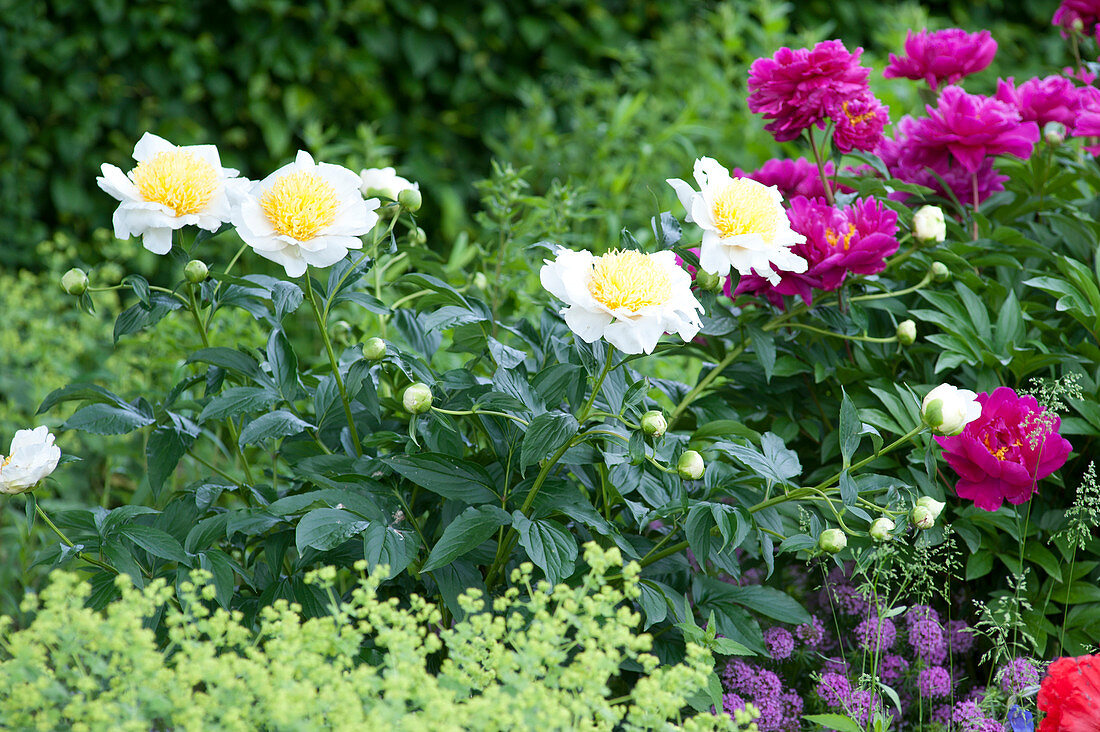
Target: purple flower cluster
(959,636)
(779,642)
(969,718)
(942,57)
(926,637)
(780,708)
(835,690)
(892,669)
(934,682)
(876,635)
(812,634)
(1017,675)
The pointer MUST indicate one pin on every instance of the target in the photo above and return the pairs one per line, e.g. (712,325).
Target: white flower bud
(1054,133)
(934,507)
(907,332)
(881,528)
(929,224)
(940,272)
(832,541)
(691,466)
(653,423)
(922,518)
(410,199)
(384,183)
(947,409)
(417,398)
(75,282)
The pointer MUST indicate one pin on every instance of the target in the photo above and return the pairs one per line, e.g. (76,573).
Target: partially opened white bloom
(305,213)
(170,188)
(33,457)
(384,182)
(628,298)
(948,409)
(744,224)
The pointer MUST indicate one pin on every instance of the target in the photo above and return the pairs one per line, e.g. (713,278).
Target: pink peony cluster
(798,89)
(942,57)
(957,142)
(1086,12)
(854,239)
(1051,99)
(1005,452)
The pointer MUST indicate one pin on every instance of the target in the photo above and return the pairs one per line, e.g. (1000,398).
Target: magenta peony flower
(1086,11)
(1051,99)
(904,159)
(942,57)
(970,128)
(859,123)
(856,239)
(1005,452)
(798,177)
(796,88)
(1087,123)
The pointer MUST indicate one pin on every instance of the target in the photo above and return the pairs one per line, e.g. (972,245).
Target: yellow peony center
(629,280)
(180,180)
(744,207)
(300,205)
(834,238)
(997,452)
(858,118)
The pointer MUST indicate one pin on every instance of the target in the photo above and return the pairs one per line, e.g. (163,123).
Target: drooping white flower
(305,213)
(948,409)
(170,187)
(627,297)
(744,224)
(384,182)
(32,458)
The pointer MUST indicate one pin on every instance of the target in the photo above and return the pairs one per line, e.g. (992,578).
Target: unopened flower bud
(881,528)
(922,518)
(690,466)
(75,282)
(929,224)
(1054,133)
(947,409)
(940,272)
(907,332)
(934,507)
(410,199)
(196,272)
(417,398)
(1077,24)
(653,423)
(707,281)
(832,541)
(481,282)
(418,236)
(341,332)
(374,349)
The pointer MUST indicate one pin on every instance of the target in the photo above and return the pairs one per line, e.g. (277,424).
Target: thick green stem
(322,326)
(70,544)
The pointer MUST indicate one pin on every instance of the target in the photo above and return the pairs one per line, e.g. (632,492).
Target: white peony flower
(33,457)
(305,213)
(947,409)
(744,224)
(929,224)
(628,298)
(170,188)
(384,182)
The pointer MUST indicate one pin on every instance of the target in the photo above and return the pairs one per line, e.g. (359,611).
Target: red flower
(1070,695)
(1003,454)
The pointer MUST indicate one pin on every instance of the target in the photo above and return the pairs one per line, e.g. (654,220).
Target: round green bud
(481,282)
(1077,24)
(922,517)
(1054,133)
(881,529)
(907,332)
(418,236)
(196,272)
(832,541)
(934,507)
(341,332)
(707,281)
(653,423)
(691,465)
(75,282)
(374,349)
(417,398)
(940,272)
(410,199)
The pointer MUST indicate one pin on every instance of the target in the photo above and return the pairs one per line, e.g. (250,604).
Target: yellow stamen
(629,280)
(6,462)
(300,205)
(857,119)
(744,207)
(833,238)
(180,180)
(999,452)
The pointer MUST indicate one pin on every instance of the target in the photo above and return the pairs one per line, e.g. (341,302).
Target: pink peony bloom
(798,177)
(1084,75)
(859,123)
(1087,123)
(856,239)
(904,159)
(1005,452)
(797,88)
(1052,99)
(1086,11)
(942,57)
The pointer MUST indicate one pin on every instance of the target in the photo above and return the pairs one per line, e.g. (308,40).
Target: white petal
(115,183)
(149,145)
(639,336)
(304,159)
(158,241)
(710,174)
(713,255)
(587,324)
(684,192)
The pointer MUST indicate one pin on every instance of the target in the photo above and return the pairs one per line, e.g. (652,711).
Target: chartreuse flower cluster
(547,660)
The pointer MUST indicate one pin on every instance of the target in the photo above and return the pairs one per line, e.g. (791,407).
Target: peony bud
(418,236)
(1054,133)
(417,398)
(907,332)
(832,541)
(75,282)
(653,423)
(374,349)
(1077,24)
(707,281)
(341,332)
(196,272)
(929,224)
(410,199)
(481,282)
(947,409)
(922,518)
(940,272)
(690,466)
(881,528)
(934,506)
